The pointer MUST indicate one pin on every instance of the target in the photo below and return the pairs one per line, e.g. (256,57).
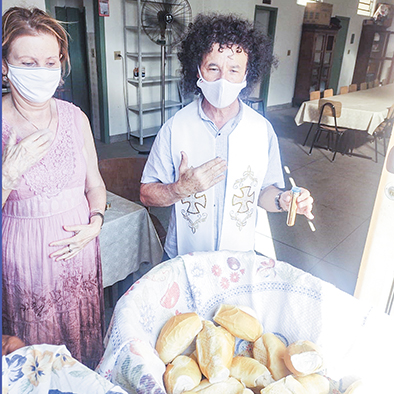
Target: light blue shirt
(160,168)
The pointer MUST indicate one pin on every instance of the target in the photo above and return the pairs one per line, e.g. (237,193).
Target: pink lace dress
(48,301)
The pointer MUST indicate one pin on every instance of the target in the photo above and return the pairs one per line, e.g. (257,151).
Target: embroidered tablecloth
(362,110)
(127,239)
(289,302)
(49,369)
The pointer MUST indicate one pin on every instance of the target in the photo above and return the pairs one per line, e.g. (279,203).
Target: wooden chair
(328,93)
(353,87)
(370,85)
(312,96)
(122,176)
(329,109)
(376,83)
(383,131)
(363,86)
(344,90)
(385,82)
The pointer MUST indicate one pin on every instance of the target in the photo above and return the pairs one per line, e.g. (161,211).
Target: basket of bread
(237,322)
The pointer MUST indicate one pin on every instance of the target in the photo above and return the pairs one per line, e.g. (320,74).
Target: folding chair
(329,110)
(312,96)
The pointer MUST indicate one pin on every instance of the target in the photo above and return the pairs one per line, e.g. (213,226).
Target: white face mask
(220,93)
(36,84)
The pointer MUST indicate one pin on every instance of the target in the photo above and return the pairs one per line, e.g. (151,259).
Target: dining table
(128,239)
(362,110)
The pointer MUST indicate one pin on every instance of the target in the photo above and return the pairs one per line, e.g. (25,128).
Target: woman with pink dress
(52,194)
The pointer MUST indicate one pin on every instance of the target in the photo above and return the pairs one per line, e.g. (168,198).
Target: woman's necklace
(24,117)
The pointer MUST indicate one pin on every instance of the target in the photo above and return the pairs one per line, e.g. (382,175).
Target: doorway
(88,61)
(265,21)
(338,53)
(75,88)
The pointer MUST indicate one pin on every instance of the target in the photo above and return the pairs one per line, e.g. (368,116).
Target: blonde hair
(19,21)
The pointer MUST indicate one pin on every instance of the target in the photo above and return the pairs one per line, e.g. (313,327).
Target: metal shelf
(149,132)
(152,80)
(147,55)
(134,45)
(155,106)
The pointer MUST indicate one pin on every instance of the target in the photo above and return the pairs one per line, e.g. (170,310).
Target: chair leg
(307,136)
(316,137)
(338,138)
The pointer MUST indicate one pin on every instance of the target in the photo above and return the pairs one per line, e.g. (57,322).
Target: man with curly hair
(217,158)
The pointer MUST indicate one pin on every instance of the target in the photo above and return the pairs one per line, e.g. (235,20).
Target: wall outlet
(117,55)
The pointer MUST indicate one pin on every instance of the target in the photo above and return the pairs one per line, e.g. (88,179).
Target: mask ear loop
(199,73)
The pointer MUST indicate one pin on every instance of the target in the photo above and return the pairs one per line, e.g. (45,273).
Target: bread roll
(239,321)
(314,383)
(181,375)
(287,385)
(260,352)
(276,350)
(177,334)
(215,350)
(250,372)
(303,358)
(228,386)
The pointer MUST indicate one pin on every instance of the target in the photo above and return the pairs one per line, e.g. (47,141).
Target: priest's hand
(197,179)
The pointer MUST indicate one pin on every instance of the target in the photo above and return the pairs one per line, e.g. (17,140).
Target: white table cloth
(127,239)
(289,302)
(362,110)
(50,369)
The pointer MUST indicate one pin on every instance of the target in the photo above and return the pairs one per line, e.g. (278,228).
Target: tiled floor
(344,193)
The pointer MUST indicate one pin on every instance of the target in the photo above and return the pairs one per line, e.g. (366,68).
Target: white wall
(23,3)
(287,38)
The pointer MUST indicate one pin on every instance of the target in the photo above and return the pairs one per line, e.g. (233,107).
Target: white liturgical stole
(246,169)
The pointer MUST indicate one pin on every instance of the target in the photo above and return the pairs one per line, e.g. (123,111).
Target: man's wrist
(176,192)
(277,202)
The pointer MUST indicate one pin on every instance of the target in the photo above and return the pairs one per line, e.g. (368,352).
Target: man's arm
(304,201)
(191,180)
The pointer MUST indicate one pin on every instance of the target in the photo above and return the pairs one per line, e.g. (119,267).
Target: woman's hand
(304,202)
(10,343)
(18,158)
(83,234)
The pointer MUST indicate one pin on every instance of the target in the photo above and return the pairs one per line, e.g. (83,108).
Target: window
(365,7)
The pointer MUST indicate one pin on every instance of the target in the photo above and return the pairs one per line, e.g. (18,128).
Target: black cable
(143,152)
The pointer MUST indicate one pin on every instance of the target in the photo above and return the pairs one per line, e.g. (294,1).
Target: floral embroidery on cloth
(55,170)
(49,369)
